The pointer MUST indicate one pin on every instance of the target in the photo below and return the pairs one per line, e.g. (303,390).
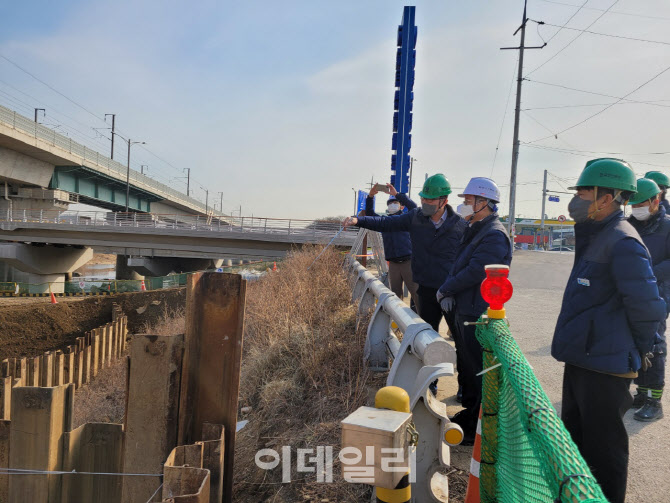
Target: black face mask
(430,209)
(579,209)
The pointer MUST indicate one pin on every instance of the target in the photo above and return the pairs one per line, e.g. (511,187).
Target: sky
(285,108)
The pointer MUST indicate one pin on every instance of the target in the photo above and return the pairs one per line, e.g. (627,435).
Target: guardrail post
(24,215)
(242,224)
(289,227)
(134,219)
(197,220)
(41,215)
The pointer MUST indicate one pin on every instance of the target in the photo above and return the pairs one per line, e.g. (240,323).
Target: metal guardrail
(100,162)
(421,357)
(253,225)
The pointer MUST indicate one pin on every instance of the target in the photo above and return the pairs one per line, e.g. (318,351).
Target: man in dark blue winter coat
(651,221)
(484,242)
(435,231)
(397,245)
(608,321)
(663,183)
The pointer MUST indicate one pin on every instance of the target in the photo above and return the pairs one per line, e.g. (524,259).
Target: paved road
(539,280)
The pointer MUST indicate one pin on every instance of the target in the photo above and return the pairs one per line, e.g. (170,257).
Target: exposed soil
(33,328)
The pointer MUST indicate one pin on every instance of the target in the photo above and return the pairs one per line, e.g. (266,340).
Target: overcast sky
(286,106)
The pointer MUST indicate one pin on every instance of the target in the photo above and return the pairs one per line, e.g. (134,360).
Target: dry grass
(302,372)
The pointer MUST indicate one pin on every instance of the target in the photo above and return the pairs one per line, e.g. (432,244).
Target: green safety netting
(527,454)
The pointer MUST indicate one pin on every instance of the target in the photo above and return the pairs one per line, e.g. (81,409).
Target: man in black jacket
(485,242)
(397,245)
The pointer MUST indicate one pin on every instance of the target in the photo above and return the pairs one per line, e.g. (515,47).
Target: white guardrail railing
(421,357)
(209,223)
(109,166)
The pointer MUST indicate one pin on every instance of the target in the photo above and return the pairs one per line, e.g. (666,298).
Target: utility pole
(517,113)
(130,144)
(113,132)
(544,197)
(221,208)
(188,181)
(206,199)
(38,110)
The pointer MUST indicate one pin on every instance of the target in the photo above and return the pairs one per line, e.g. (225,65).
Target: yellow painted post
(394,398)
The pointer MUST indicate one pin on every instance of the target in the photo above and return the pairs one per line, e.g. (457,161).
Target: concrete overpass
(42,169)
(155,244)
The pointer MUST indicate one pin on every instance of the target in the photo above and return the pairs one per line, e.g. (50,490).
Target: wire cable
(573,40)
(608,34)
(502,124)
(607,107)
(565,151)
(621,13)
(564,24)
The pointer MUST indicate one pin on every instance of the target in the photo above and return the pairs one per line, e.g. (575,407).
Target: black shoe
(459,394)
(638,400)
(433,387)
(650,411)
(468,440)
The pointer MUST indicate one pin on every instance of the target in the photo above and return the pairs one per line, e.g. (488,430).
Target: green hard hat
(661,179)
(607,173)
(646,189)
(435,186)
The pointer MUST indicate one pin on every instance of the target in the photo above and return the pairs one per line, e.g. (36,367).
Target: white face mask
(465,210)
(393,208)
(641,213)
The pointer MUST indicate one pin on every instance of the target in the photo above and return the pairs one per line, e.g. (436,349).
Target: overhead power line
(625,102)
(607,107)
(573,40)
(566,23)
(618,98)
(605,34)
(618,12)
(502,124)
(578,153)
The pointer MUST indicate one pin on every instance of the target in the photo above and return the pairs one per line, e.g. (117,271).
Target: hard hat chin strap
(617,194)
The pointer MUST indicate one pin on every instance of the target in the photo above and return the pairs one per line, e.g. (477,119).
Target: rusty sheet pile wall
(173,445)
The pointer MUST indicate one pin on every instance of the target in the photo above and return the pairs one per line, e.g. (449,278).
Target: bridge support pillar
(123,271)
(41,268)
(162,266)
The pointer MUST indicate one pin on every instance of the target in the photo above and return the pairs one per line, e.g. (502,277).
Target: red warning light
(496,289)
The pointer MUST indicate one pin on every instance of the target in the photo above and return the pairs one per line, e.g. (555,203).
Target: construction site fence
(86,287)
(526,452)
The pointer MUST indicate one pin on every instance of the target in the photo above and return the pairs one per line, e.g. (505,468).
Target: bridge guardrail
(421,357)
(38,131)
(209,223)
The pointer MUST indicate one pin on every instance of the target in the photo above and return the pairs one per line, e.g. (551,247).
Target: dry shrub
(103,400)
(302,372)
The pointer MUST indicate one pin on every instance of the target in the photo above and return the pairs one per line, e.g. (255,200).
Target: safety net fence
(527,455)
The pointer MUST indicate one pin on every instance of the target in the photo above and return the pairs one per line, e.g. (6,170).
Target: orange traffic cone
(53,298)
(274,266)
(472,494)
(143,287)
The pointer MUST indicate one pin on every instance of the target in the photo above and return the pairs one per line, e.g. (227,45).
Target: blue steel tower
(402,117)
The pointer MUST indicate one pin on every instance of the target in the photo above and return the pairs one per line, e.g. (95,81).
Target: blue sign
(401,141)
(554,199)
(360,202)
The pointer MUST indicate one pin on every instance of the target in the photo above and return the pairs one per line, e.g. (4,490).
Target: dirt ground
(30,326)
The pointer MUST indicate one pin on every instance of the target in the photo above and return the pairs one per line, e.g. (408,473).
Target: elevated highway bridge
(49,244)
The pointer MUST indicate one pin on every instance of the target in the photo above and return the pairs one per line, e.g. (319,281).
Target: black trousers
(469,362)
(592,411)
(430,310)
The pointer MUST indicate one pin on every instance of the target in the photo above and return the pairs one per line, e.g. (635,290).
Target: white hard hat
(482,187)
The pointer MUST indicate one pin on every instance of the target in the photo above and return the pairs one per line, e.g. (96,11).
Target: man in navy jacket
(397,245)
(653,224)
(435,231)
(610,313)
(484,242)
